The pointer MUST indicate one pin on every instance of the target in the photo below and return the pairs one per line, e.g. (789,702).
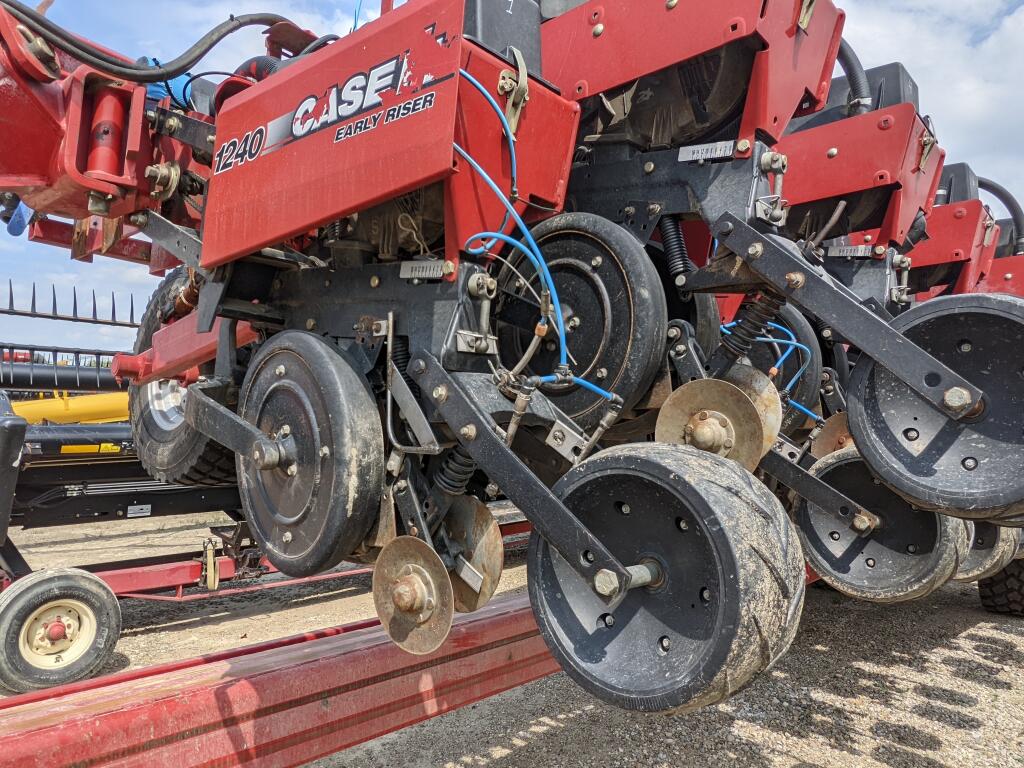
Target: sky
(967,59)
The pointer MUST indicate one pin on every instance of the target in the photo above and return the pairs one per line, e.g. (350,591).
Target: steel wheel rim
(79,633)
(166,401)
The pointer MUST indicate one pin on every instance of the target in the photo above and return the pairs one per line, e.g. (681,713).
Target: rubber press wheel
(731,590)
(170,449)
(57,626)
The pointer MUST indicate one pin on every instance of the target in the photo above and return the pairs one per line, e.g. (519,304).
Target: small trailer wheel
(57,626)
(1004,591)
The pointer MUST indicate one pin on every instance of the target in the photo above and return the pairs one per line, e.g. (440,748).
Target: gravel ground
(935,683)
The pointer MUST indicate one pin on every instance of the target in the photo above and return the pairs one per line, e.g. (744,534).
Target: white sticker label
(850,251)
(702,152)
(140,510)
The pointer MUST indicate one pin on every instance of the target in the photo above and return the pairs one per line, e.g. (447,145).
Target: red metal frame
(877,149)
(1006,276)
(276,706)
(961,233)
(606,43)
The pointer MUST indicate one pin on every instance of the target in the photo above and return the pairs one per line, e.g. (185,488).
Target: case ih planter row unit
(480,249)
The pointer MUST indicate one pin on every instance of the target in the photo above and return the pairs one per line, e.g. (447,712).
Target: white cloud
(968,61)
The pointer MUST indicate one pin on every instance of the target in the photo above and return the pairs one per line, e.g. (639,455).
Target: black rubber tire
(312,521)
(891,574)
(757,594)
(25,596)
(990,549)
(625,334)
(180,455)
(1004,592)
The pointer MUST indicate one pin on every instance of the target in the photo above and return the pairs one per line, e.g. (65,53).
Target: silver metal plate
(849,251)
(421,270)
(703,152)
(139,510)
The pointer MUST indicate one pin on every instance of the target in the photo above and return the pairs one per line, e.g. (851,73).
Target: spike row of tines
(75,316)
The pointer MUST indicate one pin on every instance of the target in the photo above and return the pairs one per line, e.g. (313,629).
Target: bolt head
(596,262)
(606,583)
(279,371)
(468,432)
(448,268)
(287,537)
(833,152)
(325,452)
(293,470)
(970,463)
(834,535)
(440,393)
(755,250)
(664,643)
(602,373)
(598,30)
(956,398)
(743,145)
(375,282)
(648,167)
(670,4)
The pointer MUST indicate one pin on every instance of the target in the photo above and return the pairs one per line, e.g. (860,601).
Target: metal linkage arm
(480,436)
(232,431)
(801,283)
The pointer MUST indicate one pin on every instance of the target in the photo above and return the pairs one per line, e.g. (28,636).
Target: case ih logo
(360,93)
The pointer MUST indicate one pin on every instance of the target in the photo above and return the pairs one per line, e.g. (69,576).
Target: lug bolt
(956,398)
(287,537)
(292,470)
(664,643)
(602,373)
(375,282)
(870,562)
(970,464)
(280,370)
(596,262)
(608,620)
(606,583)
(965,346)
(325,452)
(834,535)
(682,525)
(589,557)
(310,324)
(912,549)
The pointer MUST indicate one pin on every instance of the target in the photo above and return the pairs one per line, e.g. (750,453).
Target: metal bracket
(684,353)
(781,463)
(184,244)
(229,429)
(831,392)
(515,85)
(582,551)
(779,264)
(197,134)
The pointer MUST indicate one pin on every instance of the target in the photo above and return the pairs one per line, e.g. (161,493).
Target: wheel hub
(57,633)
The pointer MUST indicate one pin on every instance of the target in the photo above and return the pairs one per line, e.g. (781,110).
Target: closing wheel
(992,548)
(911,554)
(968,468)
(613,306)
(314,509)
(413,595)
(58,626)
(730,590)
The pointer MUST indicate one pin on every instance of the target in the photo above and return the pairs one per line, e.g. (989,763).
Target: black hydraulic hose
(58,37)
(860,89)
(1003,195)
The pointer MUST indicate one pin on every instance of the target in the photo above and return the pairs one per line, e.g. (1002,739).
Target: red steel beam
(279,707)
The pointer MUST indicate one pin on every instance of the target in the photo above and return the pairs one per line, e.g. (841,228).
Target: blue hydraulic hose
(358,13)
(805,411)
(509,136)
(532,244)
(583,383)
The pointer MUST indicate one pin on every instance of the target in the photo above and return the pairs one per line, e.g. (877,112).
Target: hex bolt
(292,470)
(756,250)
(629,210)
(826,333)
(832,152)
(670,4)
(574,323)
(649,167)
(419,367)
(703,416)
(602,373)
(664,643)
(879,250)
(280,371)
(834,535)
(588,556)
(970,463)
(682,525)
(596,262)
(440,393)
(285,431)
(674,332)
(870,562)
(468,432)
(625,508)
(606,583)
(374,281)
(287,537)
(598,30)
(608,620)
(653,209)
(956,398)
(705,595)
(558,437)
(965,346)
(861,523)
(310,324)
(743,145)
(448,268)
(796,280)
(679,350)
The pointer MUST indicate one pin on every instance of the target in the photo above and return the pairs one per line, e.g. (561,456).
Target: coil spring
(455,472)
(677,257)
(752,321)
(400,356)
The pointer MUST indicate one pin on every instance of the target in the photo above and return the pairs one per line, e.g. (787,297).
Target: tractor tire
(1004,592)
(170,449)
